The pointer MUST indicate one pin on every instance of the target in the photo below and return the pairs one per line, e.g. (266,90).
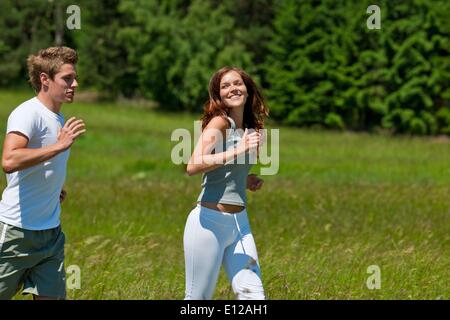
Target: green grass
(340,203)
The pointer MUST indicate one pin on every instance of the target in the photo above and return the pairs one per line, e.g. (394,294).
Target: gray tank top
(227,184)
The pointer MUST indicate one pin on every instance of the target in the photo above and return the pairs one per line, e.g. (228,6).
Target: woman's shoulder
(219,122)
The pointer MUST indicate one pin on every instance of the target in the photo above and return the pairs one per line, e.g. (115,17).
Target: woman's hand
(249,141)
(253,182)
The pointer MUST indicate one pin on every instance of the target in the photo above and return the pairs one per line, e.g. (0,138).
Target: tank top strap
(233,124)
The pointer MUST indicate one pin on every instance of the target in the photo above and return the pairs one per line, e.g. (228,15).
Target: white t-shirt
(31,198)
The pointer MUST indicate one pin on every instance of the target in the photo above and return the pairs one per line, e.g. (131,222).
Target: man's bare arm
(16,156)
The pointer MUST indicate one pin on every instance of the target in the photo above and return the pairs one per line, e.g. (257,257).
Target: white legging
(211,238)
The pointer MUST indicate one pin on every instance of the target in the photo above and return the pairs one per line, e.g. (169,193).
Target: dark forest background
(317,61)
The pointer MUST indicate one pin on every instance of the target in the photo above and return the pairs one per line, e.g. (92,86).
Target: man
(35,154)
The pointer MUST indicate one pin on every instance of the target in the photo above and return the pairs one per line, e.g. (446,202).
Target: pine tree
(326,68)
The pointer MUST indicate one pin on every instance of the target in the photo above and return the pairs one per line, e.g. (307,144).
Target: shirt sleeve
(22,121)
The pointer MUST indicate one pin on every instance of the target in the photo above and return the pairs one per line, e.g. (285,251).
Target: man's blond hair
(48,61)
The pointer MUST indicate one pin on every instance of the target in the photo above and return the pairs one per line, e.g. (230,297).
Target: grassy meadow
(340,203)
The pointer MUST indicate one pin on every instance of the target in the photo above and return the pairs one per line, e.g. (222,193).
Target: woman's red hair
(255,108)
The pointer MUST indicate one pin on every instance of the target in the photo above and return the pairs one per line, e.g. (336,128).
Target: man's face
(62,87)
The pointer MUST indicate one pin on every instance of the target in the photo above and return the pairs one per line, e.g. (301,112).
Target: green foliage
(25,27)
(334,121)
(253,21)
(443,117)
(318,62)
(177,46)
(103,61)
(324,62)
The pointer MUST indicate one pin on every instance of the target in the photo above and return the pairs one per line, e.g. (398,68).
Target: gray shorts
(32,259)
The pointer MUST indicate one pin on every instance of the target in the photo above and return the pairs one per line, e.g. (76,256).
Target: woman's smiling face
(233,91)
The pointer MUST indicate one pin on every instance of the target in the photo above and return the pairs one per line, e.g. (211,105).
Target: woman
(217,230)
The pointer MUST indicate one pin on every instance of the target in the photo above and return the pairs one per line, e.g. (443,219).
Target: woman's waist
(222,207)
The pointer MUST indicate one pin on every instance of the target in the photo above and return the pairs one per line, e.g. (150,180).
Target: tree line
(318,62)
